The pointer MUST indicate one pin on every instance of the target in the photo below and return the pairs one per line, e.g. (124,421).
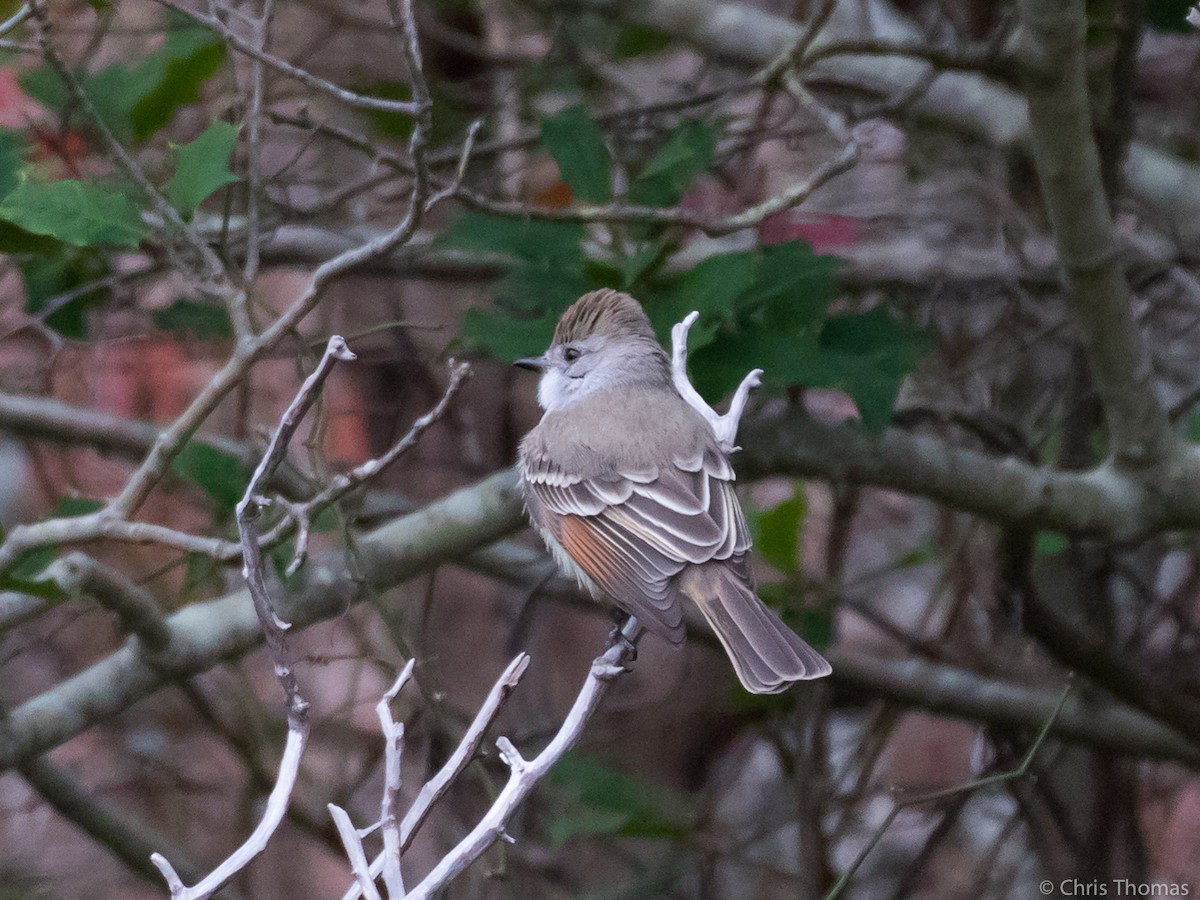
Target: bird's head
(602,340)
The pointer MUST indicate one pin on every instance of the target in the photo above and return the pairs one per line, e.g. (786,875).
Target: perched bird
(632,493)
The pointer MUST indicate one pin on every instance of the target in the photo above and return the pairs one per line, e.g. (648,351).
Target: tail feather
(766,654)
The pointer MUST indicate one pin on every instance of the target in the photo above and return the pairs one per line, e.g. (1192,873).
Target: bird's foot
(617,637)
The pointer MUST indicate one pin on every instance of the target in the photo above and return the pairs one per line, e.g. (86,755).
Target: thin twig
(241,312)
(274,632)
(393,736)
(977,784)
(354,852)
(214,269)
(303,514)
(524,774)
(433,789)
(247,48)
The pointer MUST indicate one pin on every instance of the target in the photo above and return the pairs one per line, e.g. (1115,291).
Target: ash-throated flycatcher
(634,496)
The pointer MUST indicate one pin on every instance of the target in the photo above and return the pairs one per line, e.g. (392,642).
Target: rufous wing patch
(589,551)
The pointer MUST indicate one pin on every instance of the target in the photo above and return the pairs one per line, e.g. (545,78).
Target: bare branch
(433,789)
(126,837)
(393,736)
(277,801)
(214,269)
(354,852)
(632,214)
(308,79)
(240,310)
(524,774)
(1054,75)
(274,630)
(203,634)
(134,606)
(302,514)
(970,787)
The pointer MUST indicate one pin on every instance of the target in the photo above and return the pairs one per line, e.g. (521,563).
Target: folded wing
(631,533)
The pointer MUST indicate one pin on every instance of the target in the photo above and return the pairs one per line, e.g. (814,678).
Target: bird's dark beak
(532,363)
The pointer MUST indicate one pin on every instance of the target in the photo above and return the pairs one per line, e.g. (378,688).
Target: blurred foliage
(201,167)
(597,800)
(221,476)
(1169,15)
(137,100)
(762,308)
(65,232)
(192,320)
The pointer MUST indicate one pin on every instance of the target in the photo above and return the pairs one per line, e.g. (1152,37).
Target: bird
(633,495)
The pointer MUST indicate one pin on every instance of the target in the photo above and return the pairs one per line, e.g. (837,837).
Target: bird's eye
(571,354)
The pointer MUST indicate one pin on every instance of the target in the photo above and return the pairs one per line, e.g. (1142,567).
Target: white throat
(557,391)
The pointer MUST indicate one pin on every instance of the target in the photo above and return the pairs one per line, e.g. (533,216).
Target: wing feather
(631,533)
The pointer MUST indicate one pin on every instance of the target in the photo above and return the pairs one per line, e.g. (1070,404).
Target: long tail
(767,655)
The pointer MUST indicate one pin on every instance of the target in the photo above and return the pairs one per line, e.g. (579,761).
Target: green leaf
(505,337)
(48,278)
(45,588)
(710,287)
(786,360)
(44,86)
(605,801)
(199,570)
(545,275)
(452,112)
(191,320)
(1169,15)
(14,239)
(32,563)
(577,145)
(202,166)
(74,212)
(636,40)
(552,244)
(191,56)
(813,623)
(867,355)
(218,474)
(69,507)
(13,146)
(136,100)
(689,151)
(327,520)
(919,555)
(1050,543)
(792,287)
(777,531)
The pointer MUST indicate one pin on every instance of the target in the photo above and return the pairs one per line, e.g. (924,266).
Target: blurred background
(965,483)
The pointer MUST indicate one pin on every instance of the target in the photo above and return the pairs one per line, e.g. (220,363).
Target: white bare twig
(436,786)
(275,634)
(354,852)
(525,773)
(724,427)
(302,514)
(393,735)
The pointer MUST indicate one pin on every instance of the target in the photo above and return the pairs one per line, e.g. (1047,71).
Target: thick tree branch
(1104,501)
(456,527)
(204,634)
(1054,75)
(129,839)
